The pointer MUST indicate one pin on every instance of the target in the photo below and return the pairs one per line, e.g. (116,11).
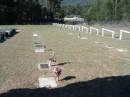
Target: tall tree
(53,6)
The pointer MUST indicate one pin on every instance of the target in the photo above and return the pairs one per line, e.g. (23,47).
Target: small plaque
(43,66)
(38,45)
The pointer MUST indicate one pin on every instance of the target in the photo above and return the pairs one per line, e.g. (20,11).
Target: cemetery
(64,48)
(83,50)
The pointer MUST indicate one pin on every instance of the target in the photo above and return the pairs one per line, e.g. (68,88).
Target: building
(73,19)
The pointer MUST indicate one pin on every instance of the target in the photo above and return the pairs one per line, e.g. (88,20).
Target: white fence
(77,27)
(95,29)
(86,29)
(103,31)
(121,33)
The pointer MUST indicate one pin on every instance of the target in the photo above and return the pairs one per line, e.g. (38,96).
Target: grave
(122,50)
(109,46)
(43,66)
(39,45)
(83,38)
(48,82)
(34,34)
(70,33)
(99,42)
(39,50)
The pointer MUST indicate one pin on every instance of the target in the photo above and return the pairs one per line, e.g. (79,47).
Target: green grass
(18,61)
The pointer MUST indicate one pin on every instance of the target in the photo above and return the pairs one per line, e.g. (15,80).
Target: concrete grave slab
(34,34)
(99,42)
(37,50)
(122,50)
(48,82)
(83,38)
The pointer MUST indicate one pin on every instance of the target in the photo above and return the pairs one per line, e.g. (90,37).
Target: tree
(53,6)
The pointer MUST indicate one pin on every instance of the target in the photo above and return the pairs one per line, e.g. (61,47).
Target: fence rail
(103,31)
(91,29)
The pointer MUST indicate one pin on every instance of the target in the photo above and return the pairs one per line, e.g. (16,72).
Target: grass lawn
(87,59)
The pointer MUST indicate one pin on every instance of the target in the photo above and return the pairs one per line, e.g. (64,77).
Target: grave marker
(122,50)
(109,46)
(39,50)
(83,38)
(43,66)
(35,35)
(48,82)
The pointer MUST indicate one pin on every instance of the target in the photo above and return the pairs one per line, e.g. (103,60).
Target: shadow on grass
(100,87)
(68,78)
(64,63)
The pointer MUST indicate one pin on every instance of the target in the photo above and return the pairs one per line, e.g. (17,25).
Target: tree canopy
(102,10)
(41,11)
(28,11)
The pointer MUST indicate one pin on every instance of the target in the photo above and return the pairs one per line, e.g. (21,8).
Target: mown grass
(88,60)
